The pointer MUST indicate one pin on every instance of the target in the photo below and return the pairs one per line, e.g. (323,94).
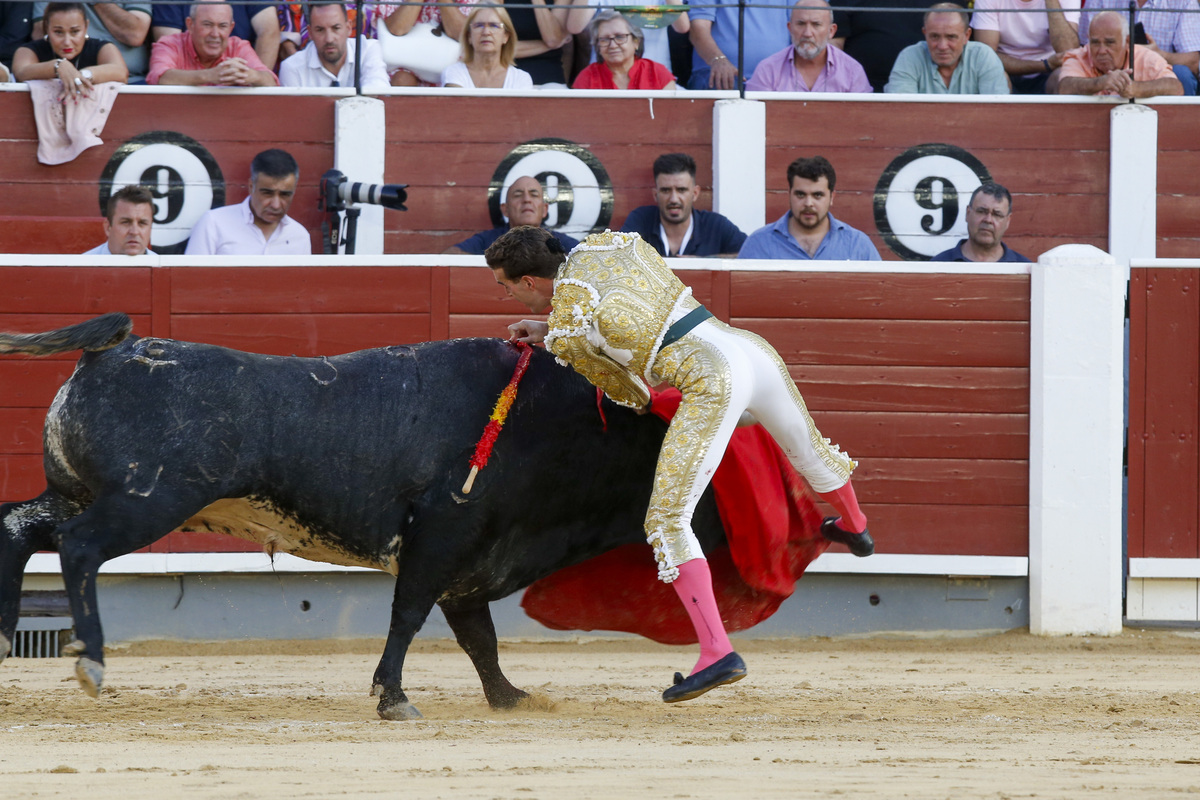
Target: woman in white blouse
(489,45)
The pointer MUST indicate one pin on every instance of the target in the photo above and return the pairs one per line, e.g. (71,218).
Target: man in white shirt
(259,225)
(130,216)
(328,60)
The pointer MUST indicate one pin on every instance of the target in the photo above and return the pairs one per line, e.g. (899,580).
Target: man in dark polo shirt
(524,204)
(874,32)
(673,226)
(988,215)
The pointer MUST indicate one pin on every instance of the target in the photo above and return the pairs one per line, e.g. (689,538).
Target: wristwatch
(57,63)
(86,73)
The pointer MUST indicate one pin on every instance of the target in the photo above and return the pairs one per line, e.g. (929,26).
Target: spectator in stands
(876,34)
(714,35)
(808,231)
(401,18)
(1172,30)
(259,225)
(808,64)
(69,54)
(524,204)
(988,215)
(655,42)
(1099,68)
(293,29)
(673,225)
(541,28)
(947,62)
(16,28)
(207,54)
(257,23)
(489,46)
(328,59)
(126,25)
(129,218)
(619,47)
(1030,36)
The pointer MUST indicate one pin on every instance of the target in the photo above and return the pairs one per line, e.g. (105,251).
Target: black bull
(356,459)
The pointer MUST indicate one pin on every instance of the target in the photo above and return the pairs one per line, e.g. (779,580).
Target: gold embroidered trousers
(723,371)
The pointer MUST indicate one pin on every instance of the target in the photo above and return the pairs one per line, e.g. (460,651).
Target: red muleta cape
(772,530)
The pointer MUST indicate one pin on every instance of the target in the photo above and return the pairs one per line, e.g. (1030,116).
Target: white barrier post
(1076,438)
(740,162)
(1133,183)
(358,150)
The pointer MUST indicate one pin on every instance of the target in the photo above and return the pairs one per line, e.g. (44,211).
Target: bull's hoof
(399,712)
(392,707)
(75,648)
(5,646)
(503,700)
(90,675)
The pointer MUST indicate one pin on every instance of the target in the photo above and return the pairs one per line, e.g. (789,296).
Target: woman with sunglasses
(619,46)
(489,46)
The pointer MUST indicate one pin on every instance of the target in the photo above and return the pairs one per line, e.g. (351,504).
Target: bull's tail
(99,333)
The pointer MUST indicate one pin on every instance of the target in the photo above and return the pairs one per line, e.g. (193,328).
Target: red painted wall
(923,378)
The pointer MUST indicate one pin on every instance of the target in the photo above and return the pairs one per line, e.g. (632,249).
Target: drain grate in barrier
(41,637)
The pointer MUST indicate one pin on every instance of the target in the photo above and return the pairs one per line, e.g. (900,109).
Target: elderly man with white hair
(1102,66)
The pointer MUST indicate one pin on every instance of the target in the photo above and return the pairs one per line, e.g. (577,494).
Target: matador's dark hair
(526,250)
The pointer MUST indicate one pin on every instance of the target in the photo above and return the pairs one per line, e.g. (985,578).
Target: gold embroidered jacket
(611,307)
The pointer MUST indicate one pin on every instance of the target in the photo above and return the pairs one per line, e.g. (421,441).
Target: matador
(621,318)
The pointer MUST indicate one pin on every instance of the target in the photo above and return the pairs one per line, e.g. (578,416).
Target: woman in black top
(541,34)
(65,52)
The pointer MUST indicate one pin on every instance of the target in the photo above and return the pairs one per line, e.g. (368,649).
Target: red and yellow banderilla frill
(500,413)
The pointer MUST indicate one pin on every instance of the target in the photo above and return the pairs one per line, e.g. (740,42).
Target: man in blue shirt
(673,226)
(524,204)
(988,215)
(808,231)
(714,37)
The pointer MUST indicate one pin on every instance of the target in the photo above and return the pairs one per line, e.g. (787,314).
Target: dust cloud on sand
(1007,716)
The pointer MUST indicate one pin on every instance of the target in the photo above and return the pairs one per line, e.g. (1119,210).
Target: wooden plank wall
(449,159)
(1164,398)
(56,209)
(1051,157)
(924,379)
(1178,193)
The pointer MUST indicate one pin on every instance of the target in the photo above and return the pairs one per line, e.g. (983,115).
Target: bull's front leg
(411,604)
(476,635)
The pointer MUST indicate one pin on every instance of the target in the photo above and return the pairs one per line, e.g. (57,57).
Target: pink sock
(845,503)
(694,587)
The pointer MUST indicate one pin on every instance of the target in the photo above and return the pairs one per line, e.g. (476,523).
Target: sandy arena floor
(1007,716)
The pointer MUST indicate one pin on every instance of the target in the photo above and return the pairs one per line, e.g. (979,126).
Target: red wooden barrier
(923,378)
(1164,398)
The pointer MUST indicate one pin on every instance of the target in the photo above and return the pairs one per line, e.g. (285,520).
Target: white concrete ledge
(259,563)
(913,564)
(438,260)
(1164,567)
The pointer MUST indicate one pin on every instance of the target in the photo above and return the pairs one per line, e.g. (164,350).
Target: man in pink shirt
(1101,67)
(809,64)
(1030,36)
(206,54)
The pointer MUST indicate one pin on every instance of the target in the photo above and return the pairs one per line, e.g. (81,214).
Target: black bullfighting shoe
(729,669)
(861,544)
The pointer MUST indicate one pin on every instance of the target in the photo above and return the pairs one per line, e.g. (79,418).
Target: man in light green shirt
(947,62)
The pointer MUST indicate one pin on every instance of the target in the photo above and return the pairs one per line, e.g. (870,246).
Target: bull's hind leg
(25,528)
(476,635)
(111,526)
